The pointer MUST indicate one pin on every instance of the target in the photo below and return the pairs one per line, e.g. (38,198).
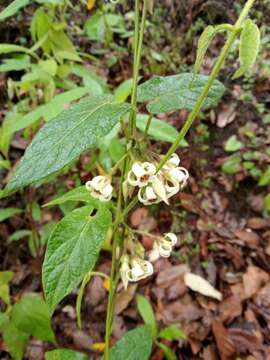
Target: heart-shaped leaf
(64,138)
(176,92)
(72,251)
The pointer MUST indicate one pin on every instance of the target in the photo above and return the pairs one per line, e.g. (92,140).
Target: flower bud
(124,270)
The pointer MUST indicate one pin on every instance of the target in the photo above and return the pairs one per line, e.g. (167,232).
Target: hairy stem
(214,73)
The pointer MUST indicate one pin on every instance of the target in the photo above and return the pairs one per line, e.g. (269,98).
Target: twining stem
(214,73)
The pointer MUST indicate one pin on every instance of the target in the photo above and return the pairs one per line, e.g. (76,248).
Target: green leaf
(49,110)
(31,315)
(64,354)
(232,165)
(147,313)
(134,345)
(20,234)
(248,47)
(4,320)
(203,44)
(72,251)
(6,277)
(9,48)
(267,202)
(8,212)
(12,8)
(265,178)
(123,91)
(15,341)
(232,144)
(159,129)
(18,64)
(63,139)
(172,332)
(169,354)
(176,92)
(78,194)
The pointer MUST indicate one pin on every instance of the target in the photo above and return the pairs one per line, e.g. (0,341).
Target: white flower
(171,237)
(159,188)
(147,196)
(179,174)
(124,270)
(154,254)
(100,188)
(174,161)
(172,187)
(140,173)
(163,246)
(140,269)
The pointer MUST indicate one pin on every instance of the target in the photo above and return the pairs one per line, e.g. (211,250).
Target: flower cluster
(136,268)
(154,186)
(100,188)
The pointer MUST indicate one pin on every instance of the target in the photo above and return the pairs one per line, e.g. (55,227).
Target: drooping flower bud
(100,188)
(140,269)
(124,270)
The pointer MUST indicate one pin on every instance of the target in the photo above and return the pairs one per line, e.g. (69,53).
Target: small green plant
(169,333)
(137,175)
(30,316)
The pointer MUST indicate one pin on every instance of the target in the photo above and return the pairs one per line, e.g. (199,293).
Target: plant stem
(138,42)
(149,120)
(214,73)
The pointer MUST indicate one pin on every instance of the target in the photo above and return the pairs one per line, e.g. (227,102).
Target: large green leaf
(134,345)
(171,93)
(248,47)
(31,315)
(12,8)
(63,139)
(72,251)
(64,354)
(159,129)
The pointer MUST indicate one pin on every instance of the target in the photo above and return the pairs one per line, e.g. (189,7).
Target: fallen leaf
(224,343)
(226,116)
(244,337)
(124,298)
(258,223)
(167,276)
(202,286)
(248,236)
(253,280)
(138,216)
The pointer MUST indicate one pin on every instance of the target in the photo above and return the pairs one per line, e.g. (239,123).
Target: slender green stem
(216,69)
(148,124)
(139,34)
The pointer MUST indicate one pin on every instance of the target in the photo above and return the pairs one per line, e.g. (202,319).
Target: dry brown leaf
(248,236)
(253,280)
(226,116)
(224,343)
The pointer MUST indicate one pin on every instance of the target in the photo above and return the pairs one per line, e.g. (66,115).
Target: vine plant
(145,177)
